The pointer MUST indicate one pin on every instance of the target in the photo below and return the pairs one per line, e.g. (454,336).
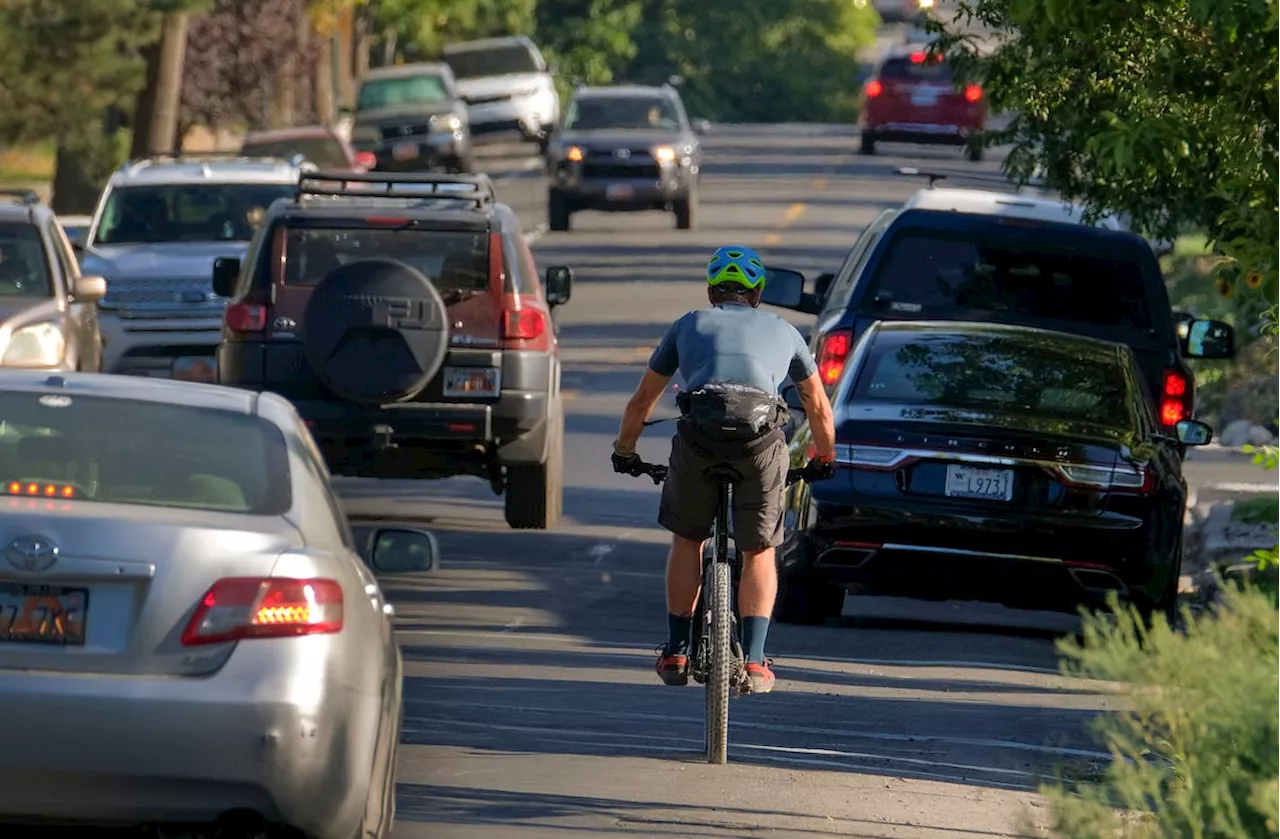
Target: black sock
(754,631)
(678,630)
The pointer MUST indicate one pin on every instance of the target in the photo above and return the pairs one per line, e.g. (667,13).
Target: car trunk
(127,579)
(915,89)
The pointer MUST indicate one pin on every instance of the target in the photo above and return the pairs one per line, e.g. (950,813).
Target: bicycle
(715,650)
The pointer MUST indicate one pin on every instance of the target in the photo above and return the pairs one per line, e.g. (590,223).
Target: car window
(624,112)
(88,448)
(842,286)
(1036,375)
(405,90)
(493,61)
(926,273)
(24,263)
(325,152)
(917,67)
(186,212)
(453,260)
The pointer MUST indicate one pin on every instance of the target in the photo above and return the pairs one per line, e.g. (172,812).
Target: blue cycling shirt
(733,342)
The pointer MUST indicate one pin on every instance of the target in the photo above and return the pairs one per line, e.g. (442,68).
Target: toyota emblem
(622,154)
(31,553)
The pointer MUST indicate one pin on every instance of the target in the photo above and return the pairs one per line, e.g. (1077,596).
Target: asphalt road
(532,709)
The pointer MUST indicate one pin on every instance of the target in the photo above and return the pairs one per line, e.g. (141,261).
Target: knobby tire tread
(717,590)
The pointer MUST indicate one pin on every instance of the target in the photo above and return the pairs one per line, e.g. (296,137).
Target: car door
(81,319)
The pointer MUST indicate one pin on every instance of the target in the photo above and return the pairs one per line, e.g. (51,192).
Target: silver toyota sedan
(188,630)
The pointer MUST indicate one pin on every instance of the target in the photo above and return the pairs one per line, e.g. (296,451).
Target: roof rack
(934,177)
(477,189)
(22,196)
(209,157)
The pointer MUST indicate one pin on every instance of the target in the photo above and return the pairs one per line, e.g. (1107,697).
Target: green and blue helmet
(736,264)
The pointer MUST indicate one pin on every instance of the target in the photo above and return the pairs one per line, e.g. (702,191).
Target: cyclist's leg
(757,515)
(687,509)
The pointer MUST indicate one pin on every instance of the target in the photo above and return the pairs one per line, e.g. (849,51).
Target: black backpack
(732,411)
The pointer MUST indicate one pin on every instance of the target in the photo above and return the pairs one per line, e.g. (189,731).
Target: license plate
(43,614)
(472,381)
(195,369)
(405,151)
(619,192)
(924,98)
(967,482)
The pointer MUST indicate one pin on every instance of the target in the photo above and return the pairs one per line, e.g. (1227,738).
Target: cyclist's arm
(817,408)
(641,405)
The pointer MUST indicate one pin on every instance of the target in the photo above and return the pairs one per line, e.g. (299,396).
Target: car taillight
(236,608)
(1174,407)
(245,317)
(917,58)
(832,354)
(875,458)
(874,88)
(972,93)
(524,324)
(1120,478)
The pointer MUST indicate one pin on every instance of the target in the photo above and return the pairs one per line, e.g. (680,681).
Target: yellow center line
(793,212)
(819,183)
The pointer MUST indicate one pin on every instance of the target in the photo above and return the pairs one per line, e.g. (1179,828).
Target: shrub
(1195,752)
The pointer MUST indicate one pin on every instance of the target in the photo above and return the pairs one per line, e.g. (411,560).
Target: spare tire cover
(376,331)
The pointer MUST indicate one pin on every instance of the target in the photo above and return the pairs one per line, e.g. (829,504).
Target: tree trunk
(388,47)
(162,133)
(344,59)
(74,192)
(325,111)
(145,104)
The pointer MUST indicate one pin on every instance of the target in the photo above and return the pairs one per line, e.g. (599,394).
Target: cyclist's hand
(819,470)
(626,464)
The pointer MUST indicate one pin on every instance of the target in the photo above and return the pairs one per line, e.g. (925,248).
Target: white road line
(1011,745)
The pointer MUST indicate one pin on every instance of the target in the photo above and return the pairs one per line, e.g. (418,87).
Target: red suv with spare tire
(404,318)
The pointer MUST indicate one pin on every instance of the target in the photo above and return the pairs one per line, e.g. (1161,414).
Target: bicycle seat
(723,474)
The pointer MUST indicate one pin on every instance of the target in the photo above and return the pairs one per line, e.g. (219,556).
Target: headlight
(664,154)
(574,153)
(38,345)
(446,122)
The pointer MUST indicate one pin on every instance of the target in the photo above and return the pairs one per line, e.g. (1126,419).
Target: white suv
(507,86)
(160,224)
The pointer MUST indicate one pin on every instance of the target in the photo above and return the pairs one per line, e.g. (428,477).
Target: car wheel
(1167,602)
(686,210)
(868,145)
(535,492)
(558,213)
(806,600)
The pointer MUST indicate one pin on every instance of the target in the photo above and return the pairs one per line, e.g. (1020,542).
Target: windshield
(453,261)
(24,267)
(325,152)
(406,90)
(494,61)
(186,212)
(100,449)
(590,114)
(929,272)
(1037,375)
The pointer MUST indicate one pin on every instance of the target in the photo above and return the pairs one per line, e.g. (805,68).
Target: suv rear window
(226,212)
(494,61)
(933,272)
(405,90)
(452,260)
(88,448)
(1030,375)
(325,152)
(24,268)
(927,69)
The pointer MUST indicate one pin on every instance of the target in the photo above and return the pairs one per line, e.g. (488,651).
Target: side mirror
(1208,339)
(822,285)
(559,285)
(366,161)
(783,287)
(226,269)
(791,395)
(701,126)
(1193,433)
(400,550)
(90,289)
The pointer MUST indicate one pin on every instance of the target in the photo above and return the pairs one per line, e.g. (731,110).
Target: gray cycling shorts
(689,497)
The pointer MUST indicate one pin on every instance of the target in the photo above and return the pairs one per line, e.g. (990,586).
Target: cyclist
(733,358)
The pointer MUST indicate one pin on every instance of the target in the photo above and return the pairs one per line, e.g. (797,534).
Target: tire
(1167,603)
(361,353)
(807,601)
(558,213)
(868,145)
(686,210)
(718,593)
(535,492)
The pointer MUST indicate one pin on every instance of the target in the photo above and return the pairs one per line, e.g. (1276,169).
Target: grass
(1264,510)
(26,164)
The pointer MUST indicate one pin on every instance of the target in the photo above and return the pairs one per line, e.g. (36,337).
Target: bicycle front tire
(717,595)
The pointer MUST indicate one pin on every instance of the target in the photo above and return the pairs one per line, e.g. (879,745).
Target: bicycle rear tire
(717,595)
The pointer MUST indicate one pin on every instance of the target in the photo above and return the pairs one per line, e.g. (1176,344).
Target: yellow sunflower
(1254,279)
(1226,288)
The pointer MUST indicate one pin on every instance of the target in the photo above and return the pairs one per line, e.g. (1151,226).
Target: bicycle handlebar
(658,473)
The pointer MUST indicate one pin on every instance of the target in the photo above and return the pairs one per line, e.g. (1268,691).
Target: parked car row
(1012,409)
